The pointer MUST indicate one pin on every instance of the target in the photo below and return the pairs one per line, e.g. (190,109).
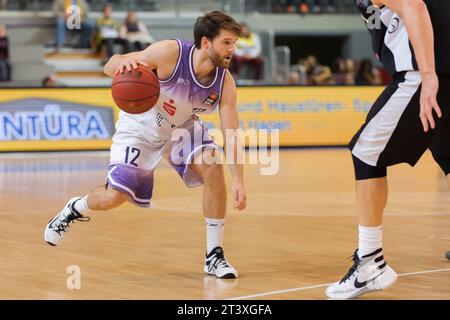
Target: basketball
(135,91)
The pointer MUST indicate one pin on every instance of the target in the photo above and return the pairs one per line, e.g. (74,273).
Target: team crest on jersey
(211,99)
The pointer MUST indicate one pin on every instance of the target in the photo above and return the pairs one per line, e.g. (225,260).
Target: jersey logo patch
(170,108)
(211,99)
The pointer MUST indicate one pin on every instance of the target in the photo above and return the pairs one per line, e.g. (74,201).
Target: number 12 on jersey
(131,155)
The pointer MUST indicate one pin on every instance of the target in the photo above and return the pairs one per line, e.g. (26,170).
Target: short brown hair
(210,24)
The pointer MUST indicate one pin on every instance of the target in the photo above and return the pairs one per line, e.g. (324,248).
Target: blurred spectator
(342,72)
(5,66)
(316,73)
(22,4)
(304,6)
(107,34)
(320,6)
(298,74)
(135,32)
(60,8)
(248,52)
(291,6)
(385,77)
(295,79)
(366,74)
(350,68)
(50,82)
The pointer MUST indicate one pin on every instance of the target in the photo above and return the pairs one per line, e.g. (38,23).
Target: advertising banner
(83,119)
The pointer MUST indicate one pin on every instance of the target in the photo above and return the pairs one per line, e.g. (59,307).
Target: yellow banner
(83,119)
(305,116)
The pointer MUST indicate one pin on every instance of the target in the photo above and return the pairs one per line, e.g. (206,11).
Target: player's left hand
(239,196)
(428,101)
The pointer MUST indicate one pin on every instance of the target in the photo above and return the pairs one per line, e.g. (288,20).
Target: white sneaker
(370,273)
(57,227)
(217,265)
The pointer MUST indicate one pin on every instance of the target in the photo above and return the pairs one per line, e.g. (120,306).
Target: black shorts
(393,132)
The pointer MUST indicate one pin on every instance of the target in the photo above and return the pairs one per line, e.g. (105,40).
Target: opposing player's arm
(229,121)
(417,20)
(161,55)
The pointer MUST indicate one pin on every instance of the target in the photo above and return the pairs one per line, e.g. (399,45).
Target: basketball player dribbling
(193,79)
(411,115)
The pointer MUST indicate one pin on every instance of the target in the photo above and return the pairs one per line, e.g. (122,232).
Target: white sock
(369,240)
(81,205)
(214,233)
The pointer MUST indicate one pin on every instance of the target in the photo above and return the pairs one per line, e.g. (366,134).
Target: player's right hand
(129,64)
(428,100)
(240,198)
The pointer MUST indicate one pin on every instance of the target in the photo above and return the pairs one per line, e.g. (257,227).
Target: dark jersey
(391,42)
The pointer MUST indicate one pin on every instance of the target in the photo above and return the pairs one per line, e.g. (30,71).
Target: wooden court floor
(294,238)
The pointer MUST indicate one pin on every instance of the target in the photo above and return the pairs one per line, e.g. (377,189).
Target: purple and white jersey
(181,97)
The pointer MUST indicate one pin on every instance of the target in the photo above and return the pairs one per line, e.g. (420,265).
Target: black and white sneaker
(370,273)
(217,265)
(57,227)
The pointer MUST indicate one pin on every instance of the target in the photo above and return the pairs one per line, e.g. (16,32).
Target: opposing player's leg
(370,271)
(202,165)
(391,134)
(447,254)
(440,146)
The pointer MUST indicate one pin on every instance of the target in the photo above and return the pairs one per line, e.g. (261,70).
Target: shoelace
(353,268)
(71,217)
(218,260)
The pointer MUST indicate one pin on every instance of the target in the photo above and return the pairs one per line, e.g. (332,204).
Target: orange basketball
(135,91)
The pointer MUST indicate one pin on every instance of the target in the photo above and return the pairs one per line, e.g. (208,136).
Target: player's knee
(363,171)
(213,173)
(112,199)
(443,162)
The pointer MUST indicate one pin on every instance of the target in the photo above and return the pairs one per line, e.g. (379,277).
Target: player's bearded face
(222,48)
(222,61)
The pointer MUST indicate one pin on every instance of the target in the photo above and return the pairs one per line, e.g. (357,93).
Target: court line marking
(279,292)
(323,285)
